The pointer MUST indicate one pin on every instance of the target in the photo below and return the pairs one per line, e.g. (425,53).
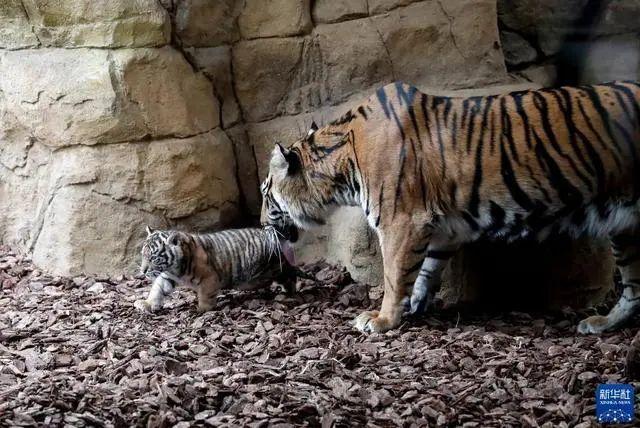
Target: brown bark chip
(75,352)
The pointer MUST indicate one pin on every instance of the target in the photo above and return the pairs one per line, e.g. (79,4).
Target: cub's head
(162,251)
(307,179)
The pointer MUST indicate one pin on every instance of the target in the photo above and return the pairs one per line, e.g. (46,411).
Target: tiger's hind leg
(626,250)
(429,277)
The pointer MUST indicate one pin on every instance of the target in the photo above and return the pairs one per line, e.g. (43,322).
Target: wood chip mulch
(75,352)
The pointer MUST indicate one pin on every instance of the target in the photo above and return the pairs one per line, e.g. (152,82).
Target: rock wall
(532,32)
(115,114)
(104,127)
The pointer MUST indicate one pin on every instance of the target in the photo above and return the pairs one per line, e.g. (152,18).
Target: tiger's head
(308,179)
(162,251)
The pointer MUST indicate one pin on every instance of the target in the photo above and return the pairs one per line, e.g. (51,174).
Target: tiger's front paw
(593,325)
(372,322)
(146,306)
(206,306)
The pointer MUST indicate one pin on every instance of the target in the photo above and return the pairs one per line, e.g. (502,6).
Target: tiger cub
(211,262)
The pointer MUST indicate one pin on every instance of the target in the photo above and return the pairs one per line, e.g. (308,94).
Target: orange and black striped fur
(211,262)
(432,173)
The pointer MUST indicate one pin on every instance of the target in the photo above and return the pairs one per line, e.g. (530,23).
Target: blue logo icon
(614,403)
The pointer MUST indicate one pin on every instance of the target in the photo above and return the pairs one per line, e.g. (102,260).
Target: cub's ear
(174,239)
(284,160)
(149,230)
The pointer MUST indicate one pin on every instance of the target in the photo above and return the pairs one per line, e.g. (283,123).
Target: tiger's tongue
(287,251)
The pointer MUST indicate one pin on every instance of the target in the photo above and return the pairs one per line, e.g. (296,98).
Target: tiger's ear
(149,230)
(313,129)
(284,160)
(174,239)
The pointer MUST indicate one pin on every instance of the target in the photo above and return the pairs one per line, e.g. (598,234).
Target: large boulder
(549,21)
(517,50)
(326,11)
(16,31)
(612,58)
(94,144)
(163,93)
(88,23)
(346,240)
(381,6)
(205,23)
(215,63)
(553,274)
(101,197)
(85,96)
(259,85)
(450,45)
(274,18)
(453,44)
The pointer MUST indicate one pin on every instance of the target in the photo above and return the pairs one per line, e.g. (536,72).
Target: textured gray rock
(88,23)
(97,143)
(259,85)
(247,171)
(347,240)
(63,97)
(449,44)
(100,198)
(92,97)
(613,58)
(341,75)
(203,23)
(215,63)
(421,43)
(544,75)
(274,18)
(550,20)
(161,90)
(326,11)
(381,6)
(611,48)
(516,49)
(15,29)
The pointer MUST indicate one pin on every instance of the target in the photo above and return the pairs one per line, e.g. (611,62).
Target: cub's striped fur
(432,173)
(210,262)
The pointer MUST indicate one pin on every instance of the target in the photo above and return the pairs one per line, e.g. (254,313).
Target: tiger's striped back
(511,165)
(236,255)
(242,255)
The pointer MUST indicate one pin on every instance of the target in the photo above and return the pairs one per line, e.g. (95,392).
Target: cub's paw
(145,306)
(372,322)
(593,325)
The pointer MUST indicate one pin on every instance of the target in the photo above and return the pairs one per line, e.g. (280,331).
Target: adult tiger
(432,173)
